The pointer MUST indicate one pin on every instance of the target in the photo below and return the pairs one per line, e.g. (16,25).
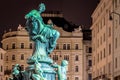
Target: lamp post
(111,18)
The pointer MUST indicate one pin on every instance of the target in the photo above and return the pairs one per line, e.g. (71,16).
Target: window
(115,62)
(109,31)
(13,46)
(76,58)
(22,56)
(57,46)
(90,50)
(76,46)
(55,57)
(68,46)
(6,47)
(22,67)
(104,37)
(90,63)
(98,57)
(115,42)
(109,68)
(66,57)
(64,46)
(76,69)
(67,78)
(22,45)
(101,55)
(89,76)
(109,49)
(13,66)
(76,78)
(104,52)
(31,46)
(13,57)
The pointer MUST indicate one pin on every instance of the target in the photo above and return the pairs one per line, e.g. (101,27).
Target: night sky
(76,11)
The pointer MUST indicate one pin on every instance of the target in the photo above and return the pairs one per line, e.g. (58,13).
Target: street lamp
(111,18)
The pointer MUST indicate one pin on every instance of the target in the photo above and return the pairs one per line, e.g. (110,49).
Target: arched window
(76,69)
(22,56)
(13,57)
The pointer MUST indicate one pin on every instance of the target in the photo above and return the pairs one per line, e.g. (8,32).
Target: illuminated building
(106,40)
(2,53)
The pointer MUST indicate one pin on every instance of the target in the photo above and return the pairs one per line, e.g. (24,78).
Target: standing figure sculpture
(62,70)
(43,35)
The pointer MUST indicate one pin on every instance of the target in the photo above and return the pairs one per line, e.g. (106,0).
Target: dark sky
(76,11)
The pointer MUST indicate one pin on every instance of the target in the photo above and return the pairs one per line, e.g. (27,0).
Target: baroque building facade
(69,47)
(2,53)
(105,40)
